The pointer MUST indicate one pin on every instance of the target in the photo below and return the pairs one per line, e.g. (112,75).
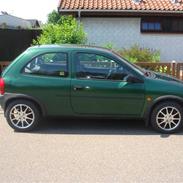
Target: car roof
(70,46)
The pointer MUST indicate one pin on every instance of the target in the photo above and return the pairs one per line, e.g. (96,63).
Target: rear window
(49,64)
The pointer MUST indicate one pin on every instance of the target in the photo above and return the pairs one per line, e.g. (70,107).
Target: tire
(167,117)
(22,115)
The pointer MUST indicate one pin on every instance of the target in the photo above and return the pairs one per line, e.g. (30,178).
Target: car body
(84,81)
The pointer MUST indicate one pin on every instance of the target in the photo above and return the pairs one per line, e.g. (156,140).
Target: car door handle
(77,87)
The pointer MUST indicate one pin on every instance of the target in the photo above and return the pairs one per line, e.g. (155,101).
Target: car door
(46,78)
(99,86)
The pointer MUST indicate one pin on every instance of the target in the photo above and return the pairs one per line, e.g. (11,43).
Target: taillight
(2,86)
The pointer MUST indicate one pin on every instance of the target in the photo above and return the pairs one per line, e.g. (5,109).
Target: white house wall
(125,32)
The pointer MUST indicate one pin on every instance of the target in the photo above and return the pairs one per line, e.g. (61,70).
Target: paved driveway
(90,151)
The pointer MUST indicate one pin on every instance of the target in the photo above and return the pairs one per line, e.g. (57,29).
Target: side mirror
(133,79)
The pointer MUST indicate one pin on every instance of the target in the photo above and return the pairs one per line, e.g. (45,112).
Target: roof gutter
(120,11)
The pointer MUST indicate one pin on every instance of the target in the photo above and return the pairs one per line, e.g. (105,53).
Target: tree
(53,17)
(66,30)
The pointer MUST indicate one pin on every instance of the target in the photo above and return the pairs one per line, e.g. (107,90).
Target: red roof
(149,5)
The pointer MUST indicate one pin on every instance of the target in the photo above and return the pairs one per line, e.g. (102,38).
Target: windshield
(137,68)
(142,71)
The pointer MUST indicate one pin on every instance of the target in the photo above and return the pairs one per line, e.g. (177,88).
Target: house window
(162,25)
(151,26)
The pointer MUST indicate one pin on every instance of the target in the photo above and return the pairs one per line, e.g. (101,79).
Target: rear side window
(49,64)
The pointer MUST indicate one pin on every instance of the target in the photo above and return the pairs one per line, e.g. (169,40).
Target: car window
(49,64)
(94,66)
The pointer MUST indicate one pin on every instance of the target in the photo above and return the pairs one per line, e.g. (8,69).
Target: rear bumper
(2,101)
(4,98)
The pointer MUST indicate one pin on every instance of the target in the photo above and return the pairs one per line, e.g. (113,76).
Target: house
(34,23)
(8,21)
(154,24)
(16,35)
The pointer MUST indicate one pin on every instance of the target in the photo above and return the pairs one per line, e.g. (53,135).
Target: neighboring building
(34,23)
(8,21)
(154,24)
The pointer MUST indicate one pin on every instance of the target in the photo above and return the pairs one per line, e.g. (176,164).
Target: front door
(100,87)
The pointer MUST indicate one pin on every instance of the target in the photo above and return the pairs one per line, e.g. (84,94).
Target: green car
(84,81)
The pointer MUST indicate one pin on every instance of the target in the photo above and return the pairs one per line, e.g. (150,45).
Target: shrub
(137,54)
(53,17)
(66,30)
(109,46)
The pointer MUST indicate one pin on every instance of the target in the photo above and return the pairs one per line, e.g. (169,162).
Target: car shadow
(97,127)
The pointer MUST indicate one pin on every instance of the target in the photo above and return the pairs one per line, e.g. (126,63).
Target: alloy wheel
(22,116)
(168,118)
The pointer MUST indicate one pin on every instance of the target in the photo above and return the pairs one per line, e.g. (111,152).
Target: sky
(29,9)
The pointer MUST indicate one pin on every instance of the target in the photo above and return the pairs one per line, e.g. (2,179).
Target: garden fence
(14,41)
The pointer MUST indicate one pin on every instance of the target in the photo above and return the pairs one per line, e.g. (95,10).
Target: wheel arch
(12,97)
(157,101)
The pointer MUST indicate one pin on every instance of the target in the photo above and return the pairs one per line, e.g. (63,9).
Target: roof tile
(164,5)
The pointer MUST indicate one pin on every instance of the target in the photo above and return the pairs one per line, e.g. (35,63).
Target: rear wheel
(22,115)
(167,117)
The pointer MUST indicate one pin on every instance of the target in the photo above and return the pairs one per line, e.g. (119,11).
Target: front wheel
(22,115)
(167,117)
